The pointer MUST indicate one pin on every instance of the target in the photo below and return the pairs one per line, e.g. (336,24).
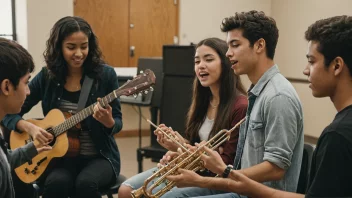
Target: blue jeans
(137,181)
(226,195)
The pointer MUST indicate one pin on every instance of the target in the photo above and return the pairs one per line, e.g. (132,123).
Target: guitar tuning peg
(141,72)
(151,89)
(128,80)
(135,95)
(146,92)
(139,94)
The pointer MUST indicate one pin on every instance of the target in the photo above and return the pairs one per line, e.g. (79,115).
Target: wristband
(227,171)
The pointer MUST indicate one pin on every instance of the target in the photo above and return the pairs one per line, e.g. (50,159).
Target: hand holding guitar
(104,115)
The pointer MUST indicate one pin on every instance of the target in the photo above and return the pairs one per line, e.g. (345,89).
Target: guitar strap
(87,84)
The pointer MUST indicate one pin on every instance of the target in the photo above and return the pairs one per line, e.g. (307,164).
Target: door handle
(132,48)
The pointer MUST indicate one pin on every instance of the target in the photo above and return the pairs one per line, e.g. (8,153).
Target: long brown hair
(230,87)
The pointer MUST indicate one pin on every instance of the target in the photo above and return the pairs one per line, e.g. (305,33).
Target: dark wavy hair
(53,56)
(334,36)
(15,61)
(255,25)
(230,87)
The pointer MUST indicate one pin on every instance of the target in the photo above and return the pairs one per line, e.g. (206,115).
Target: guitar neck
(83,114)
(139,83)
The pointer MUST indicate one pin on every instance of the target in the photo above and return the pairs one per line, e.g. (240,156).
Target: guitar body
(31,171)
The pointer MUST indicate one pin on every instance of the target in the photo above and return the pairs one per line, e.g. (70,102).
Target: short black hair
(15,61)
(334,37)
(255,25)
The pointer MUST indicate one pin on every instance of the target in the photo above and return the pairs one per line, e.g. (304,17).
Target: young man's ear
(338,65)
(260,45)
(5,87)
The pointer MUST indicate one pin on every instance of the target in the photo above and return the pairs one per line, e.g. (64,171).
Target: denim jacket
(274,129)
(50,96)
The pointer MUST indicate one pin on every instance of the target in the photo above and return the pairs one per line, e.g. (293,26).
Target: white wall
(41,16)
(5,17)
(200,19)
(21,22)
(293,19)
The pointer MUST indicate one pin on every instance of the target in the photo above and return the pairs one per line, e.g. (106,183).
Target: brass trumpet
(187,160)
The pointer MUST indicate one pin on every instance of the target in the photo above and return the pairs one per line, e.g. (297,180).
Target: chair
(305,168)
(154,151)
(114,189)
(109,191)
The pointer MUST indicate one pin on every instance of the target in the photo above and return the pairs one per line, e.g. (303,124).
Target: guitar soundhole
(50,130)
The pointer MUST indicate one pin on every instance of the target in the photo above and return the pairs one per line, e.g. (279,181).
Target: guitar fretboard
(83,114)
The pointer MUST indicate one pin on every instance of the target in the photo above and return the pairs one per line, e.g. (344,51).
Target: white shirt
(205,129)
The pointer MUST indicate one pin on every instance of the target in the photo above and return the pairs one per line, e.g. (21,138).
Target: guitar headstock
(139,83)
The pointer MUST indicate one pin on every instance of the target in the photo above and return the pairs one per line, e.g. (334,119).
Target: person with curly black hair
(270,145)
(329,71)
(72,54)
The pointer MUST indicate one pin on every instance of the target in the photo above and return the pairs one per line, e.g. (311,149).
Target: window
(7,19)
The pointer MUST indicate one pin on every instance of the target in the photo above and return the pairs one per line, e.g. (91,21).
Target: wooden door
(153,23)
(109,20)
(145,25)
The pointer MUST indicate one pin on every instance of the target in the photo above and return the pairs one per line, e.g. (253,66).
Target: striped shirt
(69,103)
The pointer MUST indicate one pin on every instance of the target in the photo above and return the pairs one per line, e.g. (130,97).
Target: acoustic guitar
(56,124)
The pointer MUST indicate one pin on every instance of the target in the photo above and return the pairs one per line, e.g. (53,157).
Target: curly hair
(53,56)
(255,25)
(334,36)
(230,87)
(15,61)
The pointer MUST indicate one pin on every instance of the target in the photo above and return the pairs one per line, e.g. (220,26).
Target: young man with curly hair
(329,71)
(270,145)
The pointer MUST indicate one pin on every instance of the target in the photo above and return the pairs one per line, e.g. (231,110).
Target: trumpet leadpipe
(168,136)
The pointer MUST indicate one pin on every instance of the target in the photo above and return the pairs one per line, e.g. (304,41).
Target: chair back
(305,168)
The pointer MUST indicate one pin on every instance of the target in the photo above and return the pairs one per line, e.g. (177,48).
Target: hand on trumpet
(186,178)
(168,157)
(239,183)
(164,141)
(212,159)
